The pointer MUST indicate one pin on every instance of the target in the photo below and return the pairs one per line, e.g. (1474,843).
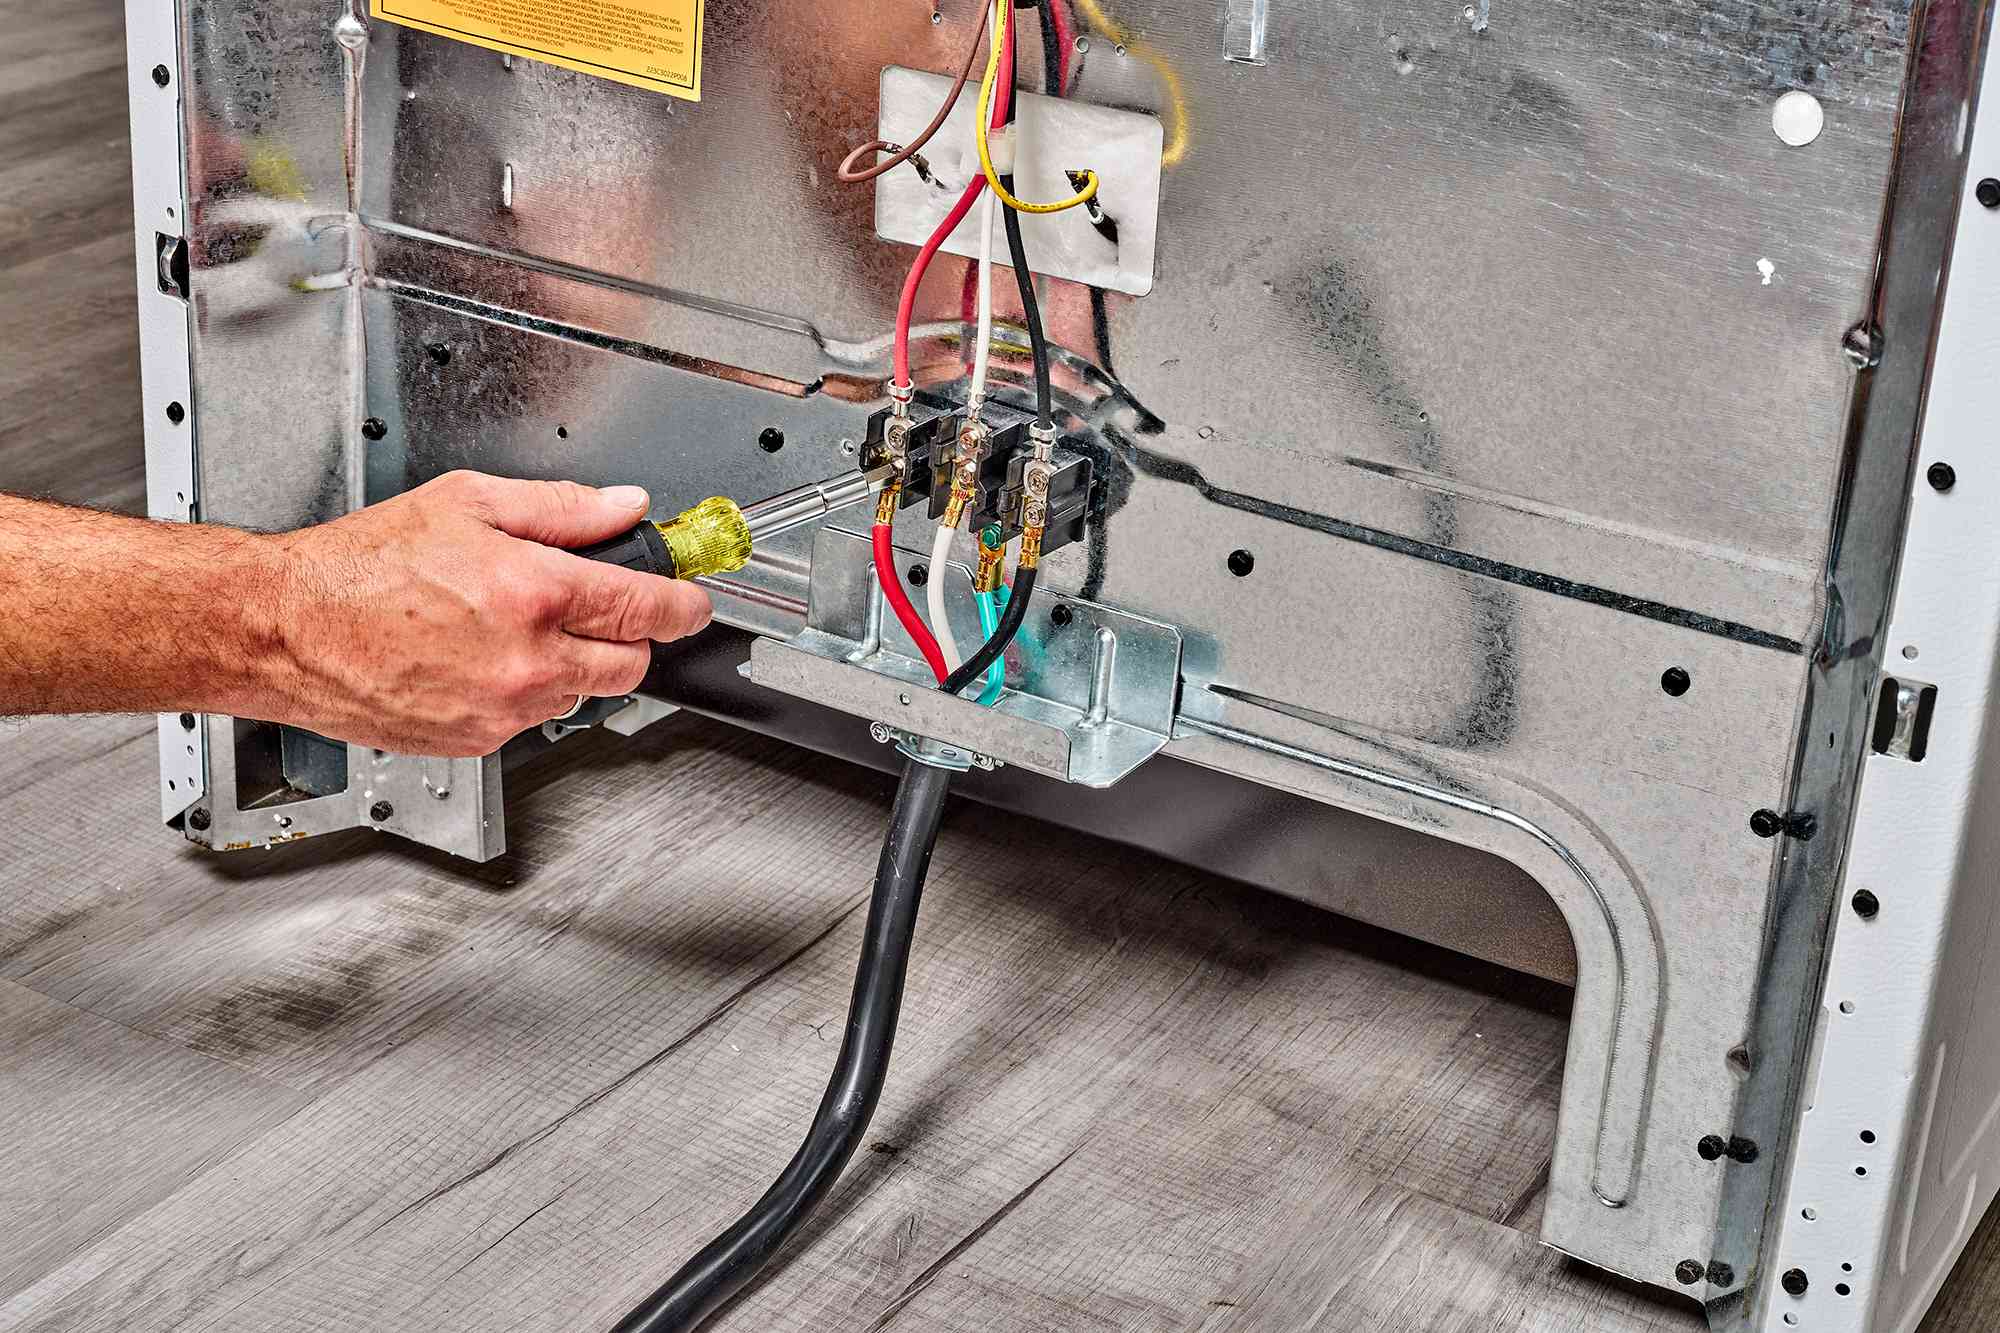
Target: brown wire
(846,173)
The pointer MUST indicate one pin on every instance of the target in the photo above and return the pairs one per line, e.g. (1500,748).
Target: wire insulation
(935,601)
(733,1259)
(881,537)
(849,174)
(1003,16)
(989,625)
(1031,315)
(906,307)
(982,352)
(996,645)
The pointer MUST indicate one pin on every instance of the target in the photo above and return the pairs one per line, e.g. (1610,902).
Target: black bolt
(381,811)
(176,413)
(1794,1281)
(919,575)
(1866,904)
(1801,824)
(1061,614)
(1742,1150)
(1711,1147)
(1675,681)
(771,439)
(1766,823)
(1241,563)
(440,353)
(160,75)
(198,820)
(1941,476)
(1721,1274)
(374,428)
(1689,1271)
(187,721)
(1987,192)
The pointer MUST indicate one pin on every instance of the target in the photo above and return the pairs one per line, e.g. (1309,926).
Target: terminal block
(930,444)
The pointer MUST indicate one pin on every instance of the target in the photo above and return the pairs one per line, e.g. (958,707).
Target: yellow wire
(1002,15)
(1177,105)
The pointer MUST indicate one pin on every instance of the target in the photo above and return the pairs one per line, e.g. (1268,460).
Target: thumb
(561,513)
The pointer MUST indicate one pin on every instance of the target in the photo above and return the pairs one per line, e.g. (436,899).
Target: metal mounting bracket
(1091,692)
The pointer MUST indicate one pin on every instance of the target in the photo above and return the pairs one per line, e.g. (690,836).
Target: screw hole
(1675,681)
(771,439)
(1847,1268)
(1842,1289)
(1860,1170)
(381,811)
(562,432)
(176,413)
(1241,563)
(1791,1318)
(1847,1006)
(1868,1136)
(1809,1214)
(440,353)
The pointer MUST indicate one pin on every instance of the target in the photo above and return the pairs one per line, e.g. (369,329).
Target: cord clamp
(937,754)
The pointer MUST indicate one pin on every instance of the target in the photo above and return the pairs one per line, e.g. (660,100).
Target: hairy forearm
(440,622)
(107,613)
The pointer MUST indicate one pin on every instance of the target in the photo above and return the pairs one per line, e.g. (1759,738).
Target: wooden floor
(352,1085)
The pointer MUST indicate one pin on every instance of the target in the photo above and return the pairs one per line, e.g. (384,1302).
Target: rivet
(176,413)
(1862,345)
(771,439)
(1797,118)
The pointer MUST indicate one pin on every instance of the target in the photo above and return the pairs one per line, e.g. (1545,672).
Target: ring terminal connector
(992,555)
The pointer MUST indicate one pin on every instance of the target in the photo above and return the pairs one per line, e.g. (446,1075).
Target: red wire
(906,308)
(899,601)
(882,534)
(1059,15)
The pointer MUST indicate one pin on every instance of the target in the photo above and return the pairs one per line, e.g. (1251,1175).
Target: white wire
(934,598)
(981,354)
(983,349)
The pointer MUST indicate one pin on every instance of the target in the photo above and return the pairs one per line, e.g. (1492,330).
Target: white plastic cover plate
(1052,135)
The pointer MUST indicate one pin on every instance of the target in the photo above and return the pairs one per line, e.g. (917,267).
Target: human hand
(447,620)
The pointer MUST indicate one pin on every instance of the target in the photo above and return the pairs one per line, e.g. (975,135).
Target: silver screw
(903,699)
(849,448)
(1863,346)
(880,731)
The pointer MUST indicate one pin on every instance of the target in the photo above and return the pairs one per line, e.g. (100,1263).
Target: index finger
(627,606)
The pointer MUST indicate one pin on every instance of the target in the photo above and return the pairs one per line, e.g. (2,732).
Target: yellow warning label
(647,43)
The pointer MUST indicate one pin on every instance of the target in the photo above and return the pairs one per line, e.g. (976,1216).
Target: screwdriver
(716,536)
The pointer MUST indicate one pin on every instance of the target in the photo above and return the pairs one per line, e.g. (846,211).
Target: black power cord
(729,1262)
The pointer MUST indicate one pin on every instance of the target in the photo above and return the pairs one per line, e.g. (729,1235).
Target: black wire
(1031,312)
(1010,625)
(1051,49)
(728,1263)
